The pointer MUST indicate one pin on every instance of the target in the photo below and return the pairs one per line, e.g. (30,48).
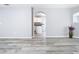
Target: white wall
(57,21)
(15,21)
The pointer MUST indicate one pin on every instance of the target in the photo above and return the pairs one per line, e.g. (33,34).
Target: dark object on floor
(71,28)
(70,34)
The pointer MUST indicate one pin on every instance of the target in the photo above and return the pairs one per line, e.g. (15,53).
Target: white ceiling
(43,5)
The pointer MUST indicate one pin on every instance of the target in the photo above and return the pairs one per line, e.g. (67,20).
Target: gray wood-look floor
(39,46)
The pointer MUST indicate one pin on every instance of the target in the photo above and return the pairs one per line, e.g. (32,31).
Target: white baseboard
(76,37)
(50,37)
(16,37)
(56,37)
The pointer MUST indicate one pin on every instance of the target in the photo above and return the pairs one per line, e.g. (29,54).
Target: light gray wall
(57,21)
(15,21)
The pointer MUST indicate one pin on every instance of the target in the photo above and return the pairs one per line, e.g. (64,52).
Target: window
(76,18)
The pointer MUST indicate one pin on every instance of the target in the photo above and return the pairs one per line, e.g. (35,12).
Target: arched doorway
(76,23)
